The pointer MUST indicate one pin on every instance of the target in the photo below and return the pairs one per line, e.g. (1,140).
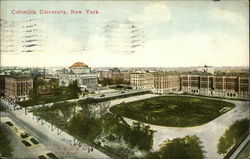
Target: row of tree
(232,135)
(90,120)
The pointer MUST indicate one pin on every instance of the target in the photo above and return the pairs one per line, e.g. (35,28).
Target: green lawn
(173,111)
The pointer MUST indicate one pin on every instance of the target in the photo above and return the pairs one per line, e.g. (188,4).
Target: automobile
(41,157)
(9,123)
(26,143)
(48,155)
(34,141)
(52,156)
(24,135)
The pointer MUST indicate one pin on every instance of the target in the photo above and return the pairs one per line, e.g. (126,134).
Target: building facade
(114,73)
(18,88)
(165,83)
(47,86)
(141,80)
(206,69)
(81,73)
(126,76)
(222,86)
(2,85)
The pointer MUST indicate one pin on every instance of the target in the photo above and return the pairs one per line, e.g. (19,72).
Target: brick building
(47,86)
(2,85)
(223,86)
(18,88)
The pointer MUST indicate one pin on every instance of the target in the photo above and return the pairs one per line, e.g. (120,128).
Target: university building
(114,73)
(204,84)
(81,73)
(141,80)
(46,86)
(165,82)
(222,86)
(18,88)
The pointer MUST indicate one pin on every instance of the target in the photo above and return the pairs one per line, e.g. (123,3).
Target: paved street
(62,145)
(19,150)
(244,154)
(115,93)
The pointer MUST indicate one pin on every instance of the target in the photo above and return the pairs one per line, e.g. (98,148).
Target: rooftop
(78,64)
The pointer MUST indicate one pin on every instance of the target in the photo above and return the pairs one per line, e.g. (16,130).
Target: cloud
(157,11)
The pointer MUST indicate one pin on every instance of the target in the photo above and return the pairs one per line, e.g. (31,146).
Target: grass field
(173,111)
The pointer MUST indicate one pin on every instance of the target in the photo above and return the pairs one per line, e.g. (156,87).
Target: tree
(106,81)
(58,91)
(114,124)
(5,148)
(140,136)
(152,155)
(189,147)
(74,89)
(232,135)
(82,126)
(223,145)
(99,110)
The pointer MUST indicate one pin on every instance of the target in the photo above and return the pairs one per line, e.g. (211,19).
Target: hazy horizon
(129,66)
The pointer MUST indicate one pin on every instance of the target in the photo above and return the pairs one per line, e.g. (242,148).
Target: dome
(79,64)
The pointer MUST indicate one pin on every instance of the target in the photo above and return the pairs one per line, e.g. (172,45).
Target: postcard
(124,79)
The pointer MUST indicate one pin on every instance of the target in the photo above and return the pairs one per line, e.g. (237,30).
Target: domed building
(79,68)
(80,72)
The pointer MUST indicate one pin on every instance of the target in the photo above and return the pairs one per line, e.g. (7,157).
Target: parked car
(49,155)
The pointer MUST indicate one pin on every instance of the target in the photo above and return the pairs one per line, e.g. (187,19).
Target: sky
(136,33)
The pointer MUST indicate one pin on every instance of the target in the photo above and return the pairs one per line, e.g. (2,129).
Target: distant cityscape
(229,82)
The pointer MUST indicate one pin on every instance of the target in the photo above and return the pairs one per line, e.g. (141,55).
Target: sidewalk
(63,144)
(239,149)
